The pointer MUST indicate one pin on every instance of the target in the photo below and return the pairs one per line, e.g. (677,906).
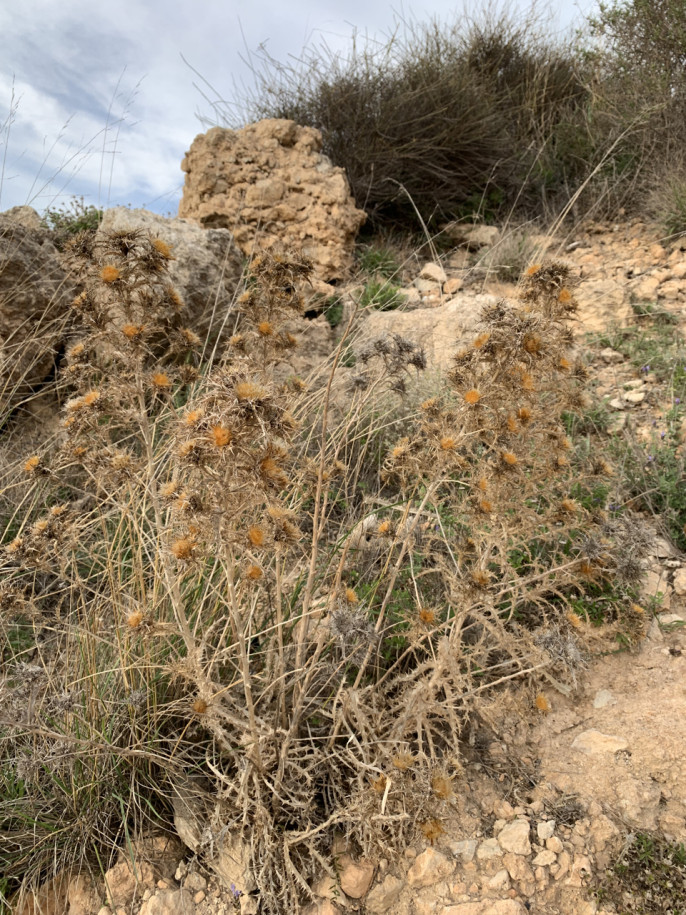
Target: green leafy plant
(71,218)
(382,295)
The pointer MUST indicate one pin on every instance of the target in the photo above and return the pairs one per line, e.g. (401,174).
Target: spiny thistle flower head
(109,274)
(162,248)
(161,381)
(472,396)
(32,464)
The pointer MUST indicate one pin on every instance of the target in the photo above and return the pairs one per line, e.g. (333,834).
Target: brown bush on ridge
(461,120)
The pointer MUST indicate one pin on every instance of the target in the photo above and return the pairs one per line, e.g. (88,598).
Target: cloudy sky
(97,101)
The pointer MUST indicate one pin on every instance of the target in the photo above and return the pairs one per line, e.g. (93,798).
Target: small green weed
(648,878)
(383,296)
(69,219)
(379,262)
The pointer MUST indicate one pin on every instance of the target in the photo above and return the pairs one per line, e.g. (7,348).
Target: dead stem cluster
(200,603)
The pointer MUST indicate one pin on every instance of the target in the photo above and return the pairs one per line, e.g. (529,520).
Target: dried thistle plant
(227,600)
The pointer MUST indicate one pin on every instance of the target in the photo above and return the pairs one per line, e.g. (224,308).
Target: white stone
(593,742)
(603,698)
(515,837)
(433,271)
(490,848)
(634,397)
(545,829)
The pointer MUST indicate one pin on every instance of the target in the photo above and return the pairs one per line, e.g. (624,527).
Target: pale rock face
(429,867)
(269,185)
(206,268)
(35,295)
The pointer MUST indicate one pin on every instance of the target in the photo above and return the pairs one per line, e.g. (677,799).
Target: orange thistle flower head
(254,573)
(524,414)
(481,578)
(162,248)
(183,548)
(481,340)
(256,535)
(564,364)
(161,381)
(509,458)
(512,423)
(131,331)
(221,436)
(532,270)
(427,615)
(90,398)
(403,761)
(350,596)
(442,787)
(542,703)
(486,506)
(246,390)
(384,527)
(448,443)
(109,274)
(134,619)
(32,464)
(193,417)
(200,706)
(265,329)
(472,397)
(190,336)
(564,296)
(482,484)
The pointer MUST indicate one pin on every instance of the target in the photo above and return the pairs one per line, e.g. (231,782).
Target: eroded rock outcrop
(269,183)
(35,295)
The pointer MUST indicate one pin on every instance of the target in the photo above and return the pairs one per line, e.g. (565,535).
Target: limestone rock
(438,330)
(485,907)
(207,265)
(471,236)
(127,880)
(35,296)
(384,896)
(231,862)
(82,896)
(355,876)
(593,742)
(434,272)
(429,867)
(515,837)
(169,902)
(270,184)
(680,582)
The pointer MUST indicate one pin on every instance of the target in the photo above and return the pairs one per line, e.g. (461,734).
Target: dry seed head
(448,443)
(134,619)
(246,390)
(569,505)
(512,423)
(564,296)
(482,484)
(403,761)
(442,787)
(131,331)
(561,461)
(161,381)
(350,596)
(564,364)
(199,706)
(187,448)
(379,784)
(75,351)
(573,619)
(586,569)
(90,398)
(169,490)
(183,548)
(524,415)
(253,572)
(542,703)
(58,510)
(109,274)
(193,417)
(432,830)
(32,464)
(256,535)
(481,578)
(190,336)
(532,343)
(509,458)
(637,608)
(174,298)
(481,340)
(162,248)
(486,506)
(527,381)
(221,436)
(427,615)
(265,329)
(384,527)
(472,396)
(532,270)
